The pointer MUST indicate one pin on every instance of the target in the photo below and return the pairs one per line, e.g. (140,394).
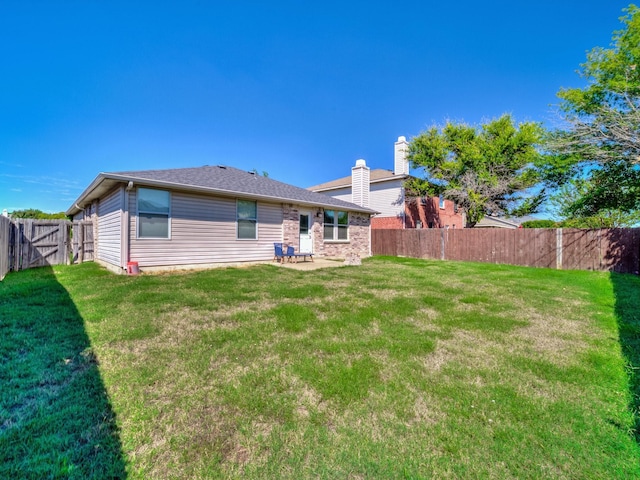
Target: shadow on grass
(55,417)
(627,306)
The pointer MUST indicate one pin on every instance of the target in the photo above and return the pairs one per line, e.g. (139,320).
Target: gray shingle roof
(220,180)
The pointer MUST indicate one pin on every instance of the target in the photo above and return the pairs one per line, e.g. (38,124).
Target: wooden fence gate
(40,242)
(82,241)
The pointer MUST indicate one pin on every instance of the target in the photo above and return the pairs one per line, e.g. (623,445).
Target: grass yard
(399,368)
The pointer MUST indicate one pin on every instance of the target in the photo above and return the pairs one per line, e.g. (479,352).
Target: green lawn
(399,368)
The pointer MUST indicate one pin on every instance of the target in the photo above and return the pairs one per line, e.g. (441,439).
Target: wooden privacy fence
(616,249)
(5,237)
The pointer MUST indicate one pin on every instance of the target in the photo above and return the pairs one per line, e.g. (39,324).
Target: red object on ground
(132,268)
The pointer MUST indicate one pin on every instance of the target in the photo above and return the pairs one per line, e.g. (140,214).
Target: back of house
(211,216)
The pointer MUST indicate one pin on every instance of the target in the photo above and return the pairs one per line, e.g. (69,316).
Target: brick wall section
(386,223)
(428,213)
(431,215)
(291,225)
(359,238)
(358,244)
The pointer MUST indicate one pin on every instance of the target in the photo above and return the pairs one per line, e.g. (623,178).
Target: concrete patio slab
(315,265)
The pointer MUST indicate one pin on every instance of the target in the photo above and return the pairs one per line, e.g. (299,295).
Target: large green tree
(486,170)
(600,140)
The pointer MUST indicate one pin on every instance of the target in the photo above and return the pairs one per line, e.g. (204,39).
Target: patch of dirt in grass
(309,400)
(338,285)
(183,325)
(554,337)
(191,436)
(388,294)
(424,317)
(235,370)
(464,348)
(425,413)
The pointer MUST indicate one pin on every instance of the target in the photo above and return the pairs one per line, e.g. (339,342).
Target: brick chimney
(400,161)
(360,183)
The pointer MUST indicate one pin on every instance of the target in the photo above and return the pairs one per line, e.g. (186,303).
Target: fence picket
(616,249)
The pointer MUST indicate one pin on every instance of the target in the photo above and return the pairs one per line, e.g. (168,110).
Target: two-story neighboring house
(383,191)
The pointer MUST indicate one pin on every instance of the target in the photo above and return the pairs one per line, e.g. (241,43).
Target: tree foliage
(486,169)
(601,138)
(539,224)
(36,214)
(562,205)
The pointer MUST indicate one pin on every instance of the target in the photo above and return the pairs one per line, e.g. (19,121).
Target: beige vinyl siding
(384,197)
(109,228)
(203,231)
(387,198)
(340,194)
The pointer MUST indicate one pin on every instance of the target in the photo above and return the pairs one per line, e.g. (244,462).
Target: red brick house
(383,190)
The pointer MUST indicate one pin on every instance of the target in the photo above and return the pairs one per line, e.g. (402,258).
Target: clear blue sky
(297,89)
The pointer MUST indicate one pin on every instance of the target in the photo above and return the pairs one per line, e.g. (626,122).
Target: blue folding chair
(278,253)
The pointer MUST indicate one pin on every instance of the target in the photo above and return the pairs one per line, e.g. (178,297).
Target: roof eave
(75,208)
(86,195)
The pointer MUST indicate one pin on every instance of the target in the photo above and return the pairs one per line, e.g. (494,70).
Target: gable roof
(220,179)
(375,176)
(500,222)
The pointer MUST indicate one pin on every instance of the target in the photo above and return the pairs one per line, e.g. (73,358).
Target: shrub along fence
(616,249)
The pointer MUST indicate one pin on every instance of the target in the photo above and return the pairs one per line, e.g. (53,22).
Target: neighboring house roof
(499,222)
(375,176)
(220,179)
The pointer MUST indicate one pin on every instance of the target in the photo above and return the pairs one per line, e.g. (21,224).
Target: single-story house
(212,215)
(384,191)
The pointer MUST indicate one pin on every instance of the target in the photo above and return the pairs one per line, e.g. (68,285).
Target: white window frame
(441,201)
(250,219)
(335,227)
(149,212)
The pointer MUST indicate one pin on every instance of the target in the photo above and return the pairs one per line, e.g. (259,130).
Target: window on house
(153,213)
(247,215)
(455,207)
(441,199)
(336,225)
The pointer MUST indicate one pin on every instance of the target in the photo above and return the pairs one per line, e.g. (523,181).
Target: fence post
(80,243)
(559,248)
(442,256)
(6,235)
(17,247)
